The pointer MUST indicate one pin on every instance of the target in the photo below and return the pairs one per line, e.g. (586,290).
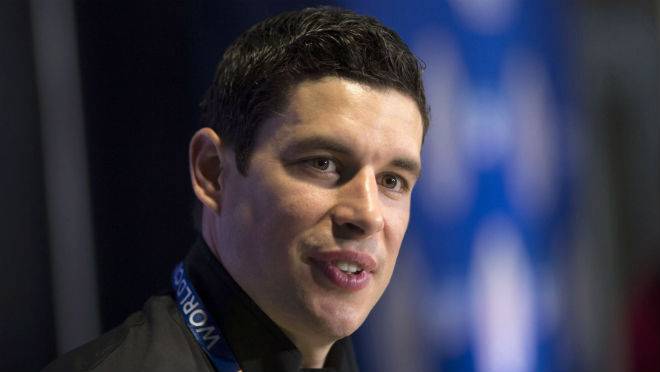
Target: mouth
(349,270)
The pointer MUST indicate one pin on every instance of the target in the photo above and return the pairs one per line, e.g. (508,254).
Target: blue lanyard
(201,324)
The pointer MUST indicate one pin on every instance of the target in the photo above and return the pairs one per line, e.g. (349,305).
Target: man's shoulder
(153,339)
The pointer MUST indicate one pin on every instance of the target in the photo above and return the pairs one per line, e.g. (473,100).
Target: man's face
(313,231)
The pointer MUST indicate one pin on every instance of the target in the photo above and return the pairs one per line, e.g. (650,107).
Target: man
(304,171)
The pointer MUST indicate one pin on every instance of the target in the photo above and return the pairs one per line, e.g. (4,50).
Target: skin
(333,171)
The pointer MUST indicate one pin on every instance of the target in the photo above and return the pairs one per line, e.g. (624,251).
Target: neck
(208,231)
(313,355)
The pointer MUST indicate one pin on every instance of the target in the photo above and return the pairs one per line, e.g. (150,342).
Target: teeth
(348,267)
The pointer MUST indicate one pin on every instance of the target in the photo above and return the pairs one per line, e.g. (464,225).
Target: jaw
(335,312)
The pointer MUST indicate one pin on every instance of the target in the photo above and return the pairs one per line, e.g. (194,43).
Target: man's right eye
(325,165)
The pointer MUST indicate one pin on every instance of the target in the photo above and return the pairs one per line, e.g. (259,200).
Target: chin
(339,321)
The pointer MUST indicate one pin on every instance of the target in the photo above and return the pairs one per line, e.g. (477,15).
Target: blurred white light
(486,131)
(486,16)
(502,299)
(447,320)
(532,173)
(447,186)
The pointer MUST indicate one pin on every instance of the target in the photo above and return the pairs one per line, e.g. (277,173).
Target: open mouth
(346,269)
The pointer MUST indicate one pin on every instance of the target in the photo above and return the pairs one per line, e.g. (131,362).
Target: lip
(364,260)
(352,282)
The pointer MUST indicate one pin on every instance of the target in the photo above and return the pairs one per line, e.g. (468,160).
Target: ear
(206,167)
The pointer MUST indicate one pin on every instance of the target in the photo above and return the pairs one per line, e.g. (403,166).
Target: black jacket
(156,338)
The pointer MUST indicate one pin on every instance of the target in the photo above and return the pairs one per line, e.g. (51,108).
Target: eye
(324,165)
(392,182)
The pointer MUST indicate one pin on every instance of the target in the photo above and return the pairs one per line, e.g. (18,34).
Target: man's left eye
(392,182)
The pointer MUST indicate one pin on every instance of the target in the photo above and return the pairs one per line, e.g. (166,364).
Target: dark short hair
(259,70)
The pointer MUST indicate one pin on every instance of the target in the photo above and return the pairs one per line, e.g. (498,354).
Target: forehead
(375,121)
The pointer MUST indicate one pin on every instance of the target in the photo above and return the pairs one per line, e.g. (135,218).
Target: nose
(358,213)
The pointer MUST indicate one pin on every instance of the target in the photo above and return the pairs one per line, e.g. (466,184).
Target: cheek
(287,203)
(394,233)
(397,223)
(286,212)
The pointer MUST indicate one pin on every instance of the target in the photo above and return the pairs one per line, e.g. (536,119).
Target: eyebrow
(318,143)
(409,165)
(324,143)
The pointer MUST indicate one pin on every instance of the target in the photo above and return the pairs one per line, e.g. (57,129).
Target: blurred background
(534,243)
